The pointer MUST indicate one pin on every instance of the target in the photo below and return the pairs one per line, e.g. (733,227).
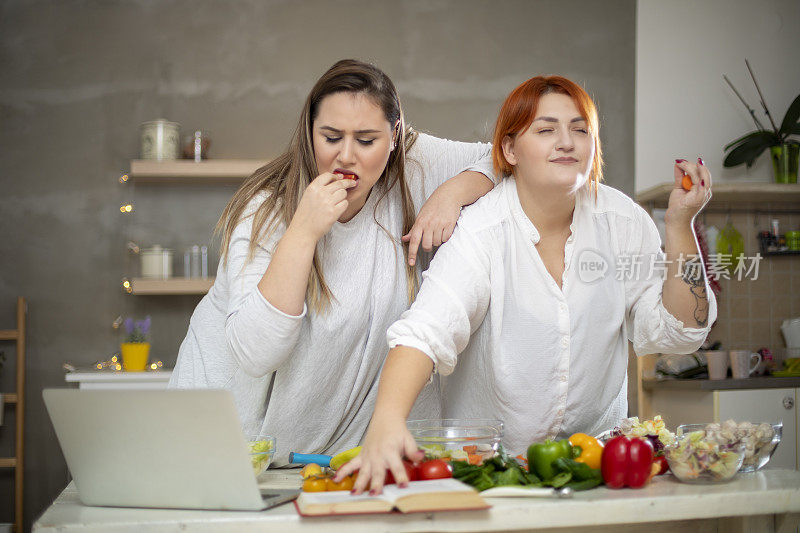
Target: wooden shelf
(8,335)
(741,194)
(186,171)
(9,398)
(144,286)
(8,462)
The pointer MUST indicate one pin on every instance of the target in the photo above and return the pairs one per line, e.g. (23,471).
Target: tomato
(686,182)
(411,472)
(345,484)
(315,484)
(435,469)
(662,464)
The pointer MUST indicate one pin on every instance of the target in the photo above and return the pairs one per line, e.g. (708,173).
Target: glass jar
(160,139)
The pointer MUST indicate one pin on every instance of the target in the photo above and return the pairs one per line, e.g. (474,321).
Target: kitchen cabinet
(765,405)
(749,314)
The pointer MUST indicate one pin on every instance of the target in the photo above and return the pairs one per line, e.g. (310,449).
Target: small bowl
(448,437)
(754,459)
(689,471)
(261,449)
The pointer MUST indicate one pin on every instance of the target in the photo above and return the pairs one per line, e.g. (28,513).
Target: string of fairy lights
(114,363)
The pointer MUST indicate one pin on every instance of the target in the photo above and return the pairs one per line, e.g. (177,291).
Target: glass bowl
(692,462)
(261,449)
(467,439)
(757,455)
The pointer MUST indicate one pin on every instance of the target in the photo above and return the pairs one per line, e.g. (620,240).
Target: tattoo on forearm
(694,276)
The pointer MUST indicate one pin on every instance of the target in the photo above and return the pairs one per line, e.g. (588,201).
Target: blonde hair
(287,176)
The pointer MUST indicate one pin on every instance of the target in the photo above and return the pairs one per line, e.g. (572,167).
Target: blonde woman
(314,269)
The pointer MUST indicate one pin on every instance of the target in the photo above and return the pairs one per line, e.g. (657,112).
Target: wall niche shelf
(171,286)
(186,171)
(731,194)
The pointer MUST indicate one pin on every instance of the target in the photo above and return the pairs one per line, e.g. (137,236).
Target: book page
(340,496)
(422,487)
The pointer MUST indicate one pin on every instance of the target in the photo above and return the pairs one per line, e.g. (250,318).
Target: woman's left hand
(684,205)
(434,224)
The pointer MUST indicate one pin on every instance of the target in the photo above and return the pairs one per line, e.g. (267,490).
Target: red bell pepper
(627,462)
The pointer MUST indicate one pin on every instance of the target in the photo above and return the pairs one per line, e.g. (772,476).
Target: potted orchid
(135,347)
(784,150)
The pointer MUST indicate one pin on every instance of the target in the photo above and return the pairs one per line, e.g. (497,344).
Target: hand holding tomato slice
(387,442)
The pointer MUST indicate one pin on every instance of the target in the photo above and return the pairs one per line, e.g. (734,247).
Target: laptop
(180,449)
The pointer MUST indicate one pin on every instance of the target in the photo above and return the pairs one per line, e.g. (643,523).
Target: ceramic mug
(744,363)
(717,364)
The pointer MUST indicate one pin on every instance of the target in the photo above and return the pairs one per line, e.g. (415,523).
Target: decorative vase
(134,355)
(784,162)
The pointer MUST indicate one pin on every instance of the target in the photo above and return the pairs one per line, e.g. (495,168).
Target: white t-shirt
(513,346)
(311,380)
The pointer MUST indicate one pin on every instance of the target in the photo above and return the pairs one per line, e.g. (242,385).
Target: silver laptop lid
(154,448)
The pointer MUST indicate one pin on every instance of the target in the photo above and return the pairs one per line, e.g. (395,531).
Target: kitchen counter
(765,501)
(767,382)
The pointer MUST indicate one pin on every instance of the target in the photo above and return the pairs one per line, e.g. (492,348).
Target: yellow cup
(134,355)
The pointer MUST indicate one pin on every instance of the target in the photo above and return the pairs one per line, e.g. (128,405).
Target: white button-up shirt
(547,361)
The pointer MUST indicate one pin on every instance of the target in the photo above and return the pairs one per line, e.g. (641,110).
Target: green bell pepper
(542,454)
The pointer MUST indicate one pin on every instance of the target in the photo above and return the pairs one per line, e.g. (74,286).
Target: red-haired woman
(527,310)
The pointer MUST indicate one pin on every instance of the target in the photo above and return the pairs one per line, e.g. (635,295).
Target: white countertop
(769,492)
(105,379)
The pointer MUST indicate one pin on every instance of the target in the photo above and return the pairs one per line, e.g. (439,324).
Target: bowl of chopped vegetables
(473,440)
(261,449)
(697,457)
(760,440)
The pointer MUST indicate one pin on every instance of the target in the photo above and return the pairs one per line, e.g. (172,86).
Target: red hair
(519,110)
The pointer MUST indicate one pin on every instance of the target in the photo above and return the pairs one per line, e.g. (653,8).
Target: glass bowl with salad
(261,449)
(473,440)
(760,440)
(698,457)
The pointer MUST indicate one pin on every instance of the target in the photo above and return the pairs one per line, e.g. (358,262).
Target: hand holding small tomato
(387,442)
(691,192)
(322,203)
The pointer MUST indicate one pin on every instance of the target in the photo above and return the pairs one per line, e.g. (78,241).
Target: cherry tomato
(315,484)
(663,465)
(411,472)
(686,183)
(345,484)
(435,469)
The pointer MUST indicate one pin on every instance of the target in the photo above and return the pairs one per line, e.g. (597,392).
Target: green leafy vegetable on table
(503,470)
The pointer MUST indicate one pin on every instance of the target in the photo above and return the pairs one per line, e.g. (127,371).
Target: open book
(419,496)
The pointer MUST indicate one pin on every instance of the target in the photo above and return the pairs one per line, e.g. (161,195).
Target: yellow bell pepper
(591,449)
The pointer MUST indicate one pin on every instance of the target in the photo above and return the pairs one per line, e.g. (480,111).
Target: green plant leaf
(749,149)
(740,140)
(769,137)
(790,120)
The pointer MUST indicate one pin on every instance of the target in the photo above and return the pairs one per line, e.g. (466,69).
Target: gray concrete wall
(79,77)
